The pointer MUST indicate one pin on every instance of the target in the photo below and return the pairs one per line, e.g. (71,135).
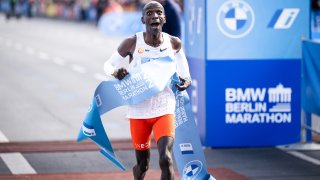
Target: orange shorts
(141,130)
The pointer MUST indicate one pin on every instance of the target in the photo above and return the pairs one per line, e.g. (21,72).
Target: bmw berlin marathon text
(258,105)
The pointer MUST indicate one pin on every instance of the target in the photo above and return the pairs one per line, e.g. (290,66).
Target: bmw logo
(235,18)
(192,169)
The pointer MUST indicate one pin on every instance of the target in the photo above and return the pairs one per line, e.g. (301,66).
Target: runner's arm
(182,64)
(110,66)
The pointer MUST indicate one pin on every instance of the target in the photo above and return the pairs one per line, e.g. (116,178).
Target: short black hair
(151,4)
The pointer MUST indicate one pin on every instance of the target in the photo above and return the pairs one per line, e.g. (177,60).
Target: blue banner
(311,77)
(142,83)
(187,147)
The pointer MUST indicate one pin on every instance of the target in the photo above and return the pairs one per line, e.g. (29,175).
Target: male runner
(156,113)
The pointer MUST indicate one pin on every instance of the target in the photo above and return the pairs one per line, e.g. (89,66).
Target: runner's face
(154,19)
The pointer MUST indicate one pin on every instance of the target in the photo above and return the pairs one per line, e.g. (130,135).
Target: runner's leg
(143,159)
(163,131)
(165,144)
(141,140)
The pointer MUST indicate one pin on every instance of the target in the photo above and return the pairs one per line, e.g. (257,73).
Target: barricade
(310,89)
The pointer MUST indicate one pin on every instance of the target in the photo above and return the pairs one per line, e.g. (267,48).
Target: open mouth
(155,25)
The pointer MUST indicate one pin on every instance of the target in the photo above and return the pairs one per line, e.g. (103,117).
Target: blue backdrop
(245,57)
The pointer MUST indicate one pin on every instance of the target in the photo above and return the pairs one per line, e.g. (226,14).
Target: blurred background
(51,60)
(77,10)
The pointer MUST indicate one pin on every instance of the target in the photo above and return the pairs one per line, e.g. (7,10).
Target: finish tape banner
(141,83)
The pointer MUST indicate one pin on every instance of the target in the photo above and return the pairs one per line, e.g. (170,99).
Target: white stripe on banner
(3,138)
(17,163)
(304,157)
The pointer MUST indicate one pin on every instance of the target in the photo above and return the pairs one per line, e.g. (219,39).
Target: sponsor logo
(140,50)
(192,170)
(98,100)
(88,130)
(161,50)
(251,105)
(283,18)
(186,148)
(142,146)
(235,18)
(282,97)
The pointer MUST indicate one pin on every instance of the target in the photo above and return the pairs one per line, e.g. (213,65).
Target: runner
(155,114)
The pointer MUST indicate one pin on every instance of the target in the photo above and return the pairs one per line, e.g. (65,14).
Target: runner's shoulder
(127,45)
(175,42)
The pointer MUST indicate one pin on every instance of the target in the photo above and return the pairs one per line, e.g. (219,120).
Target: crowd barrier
(310,87)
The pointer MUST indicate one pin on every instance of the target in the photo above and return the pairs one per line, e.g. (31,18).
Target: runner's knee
(143,167)
(165,160)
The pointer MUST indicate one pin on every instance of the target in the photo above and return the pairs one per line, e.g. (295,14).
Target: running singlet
(163,102)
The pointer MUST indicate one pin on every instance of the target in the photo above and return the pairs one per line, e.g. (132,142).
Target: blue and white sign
(247,86)
(186,148)
(253,103)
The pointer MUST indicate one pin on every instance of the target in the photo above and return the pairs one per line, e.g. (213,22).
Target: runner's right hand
(120,73)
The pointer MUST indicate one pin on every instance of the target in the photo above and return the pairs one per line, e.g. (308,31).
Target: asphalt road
(49,70)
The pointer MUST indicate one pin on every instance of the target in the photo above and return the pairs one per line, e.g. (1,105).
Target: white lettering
(230,94)
(258,94)
(250,118)
(249,94)
(246,107)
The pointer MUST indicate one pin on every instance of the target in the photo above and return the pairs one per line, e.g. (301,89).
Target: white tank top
(163,102)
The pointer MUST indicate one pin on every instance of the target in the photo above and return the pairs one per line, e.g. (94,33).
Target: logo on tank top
(161,50)
(140,50)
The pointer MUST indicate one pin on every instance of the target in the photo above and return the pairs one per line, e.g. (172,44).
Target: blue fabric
(311,77)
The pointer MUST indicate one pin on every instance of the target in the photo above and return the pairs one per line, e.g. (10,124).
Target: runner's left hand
(184,84)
